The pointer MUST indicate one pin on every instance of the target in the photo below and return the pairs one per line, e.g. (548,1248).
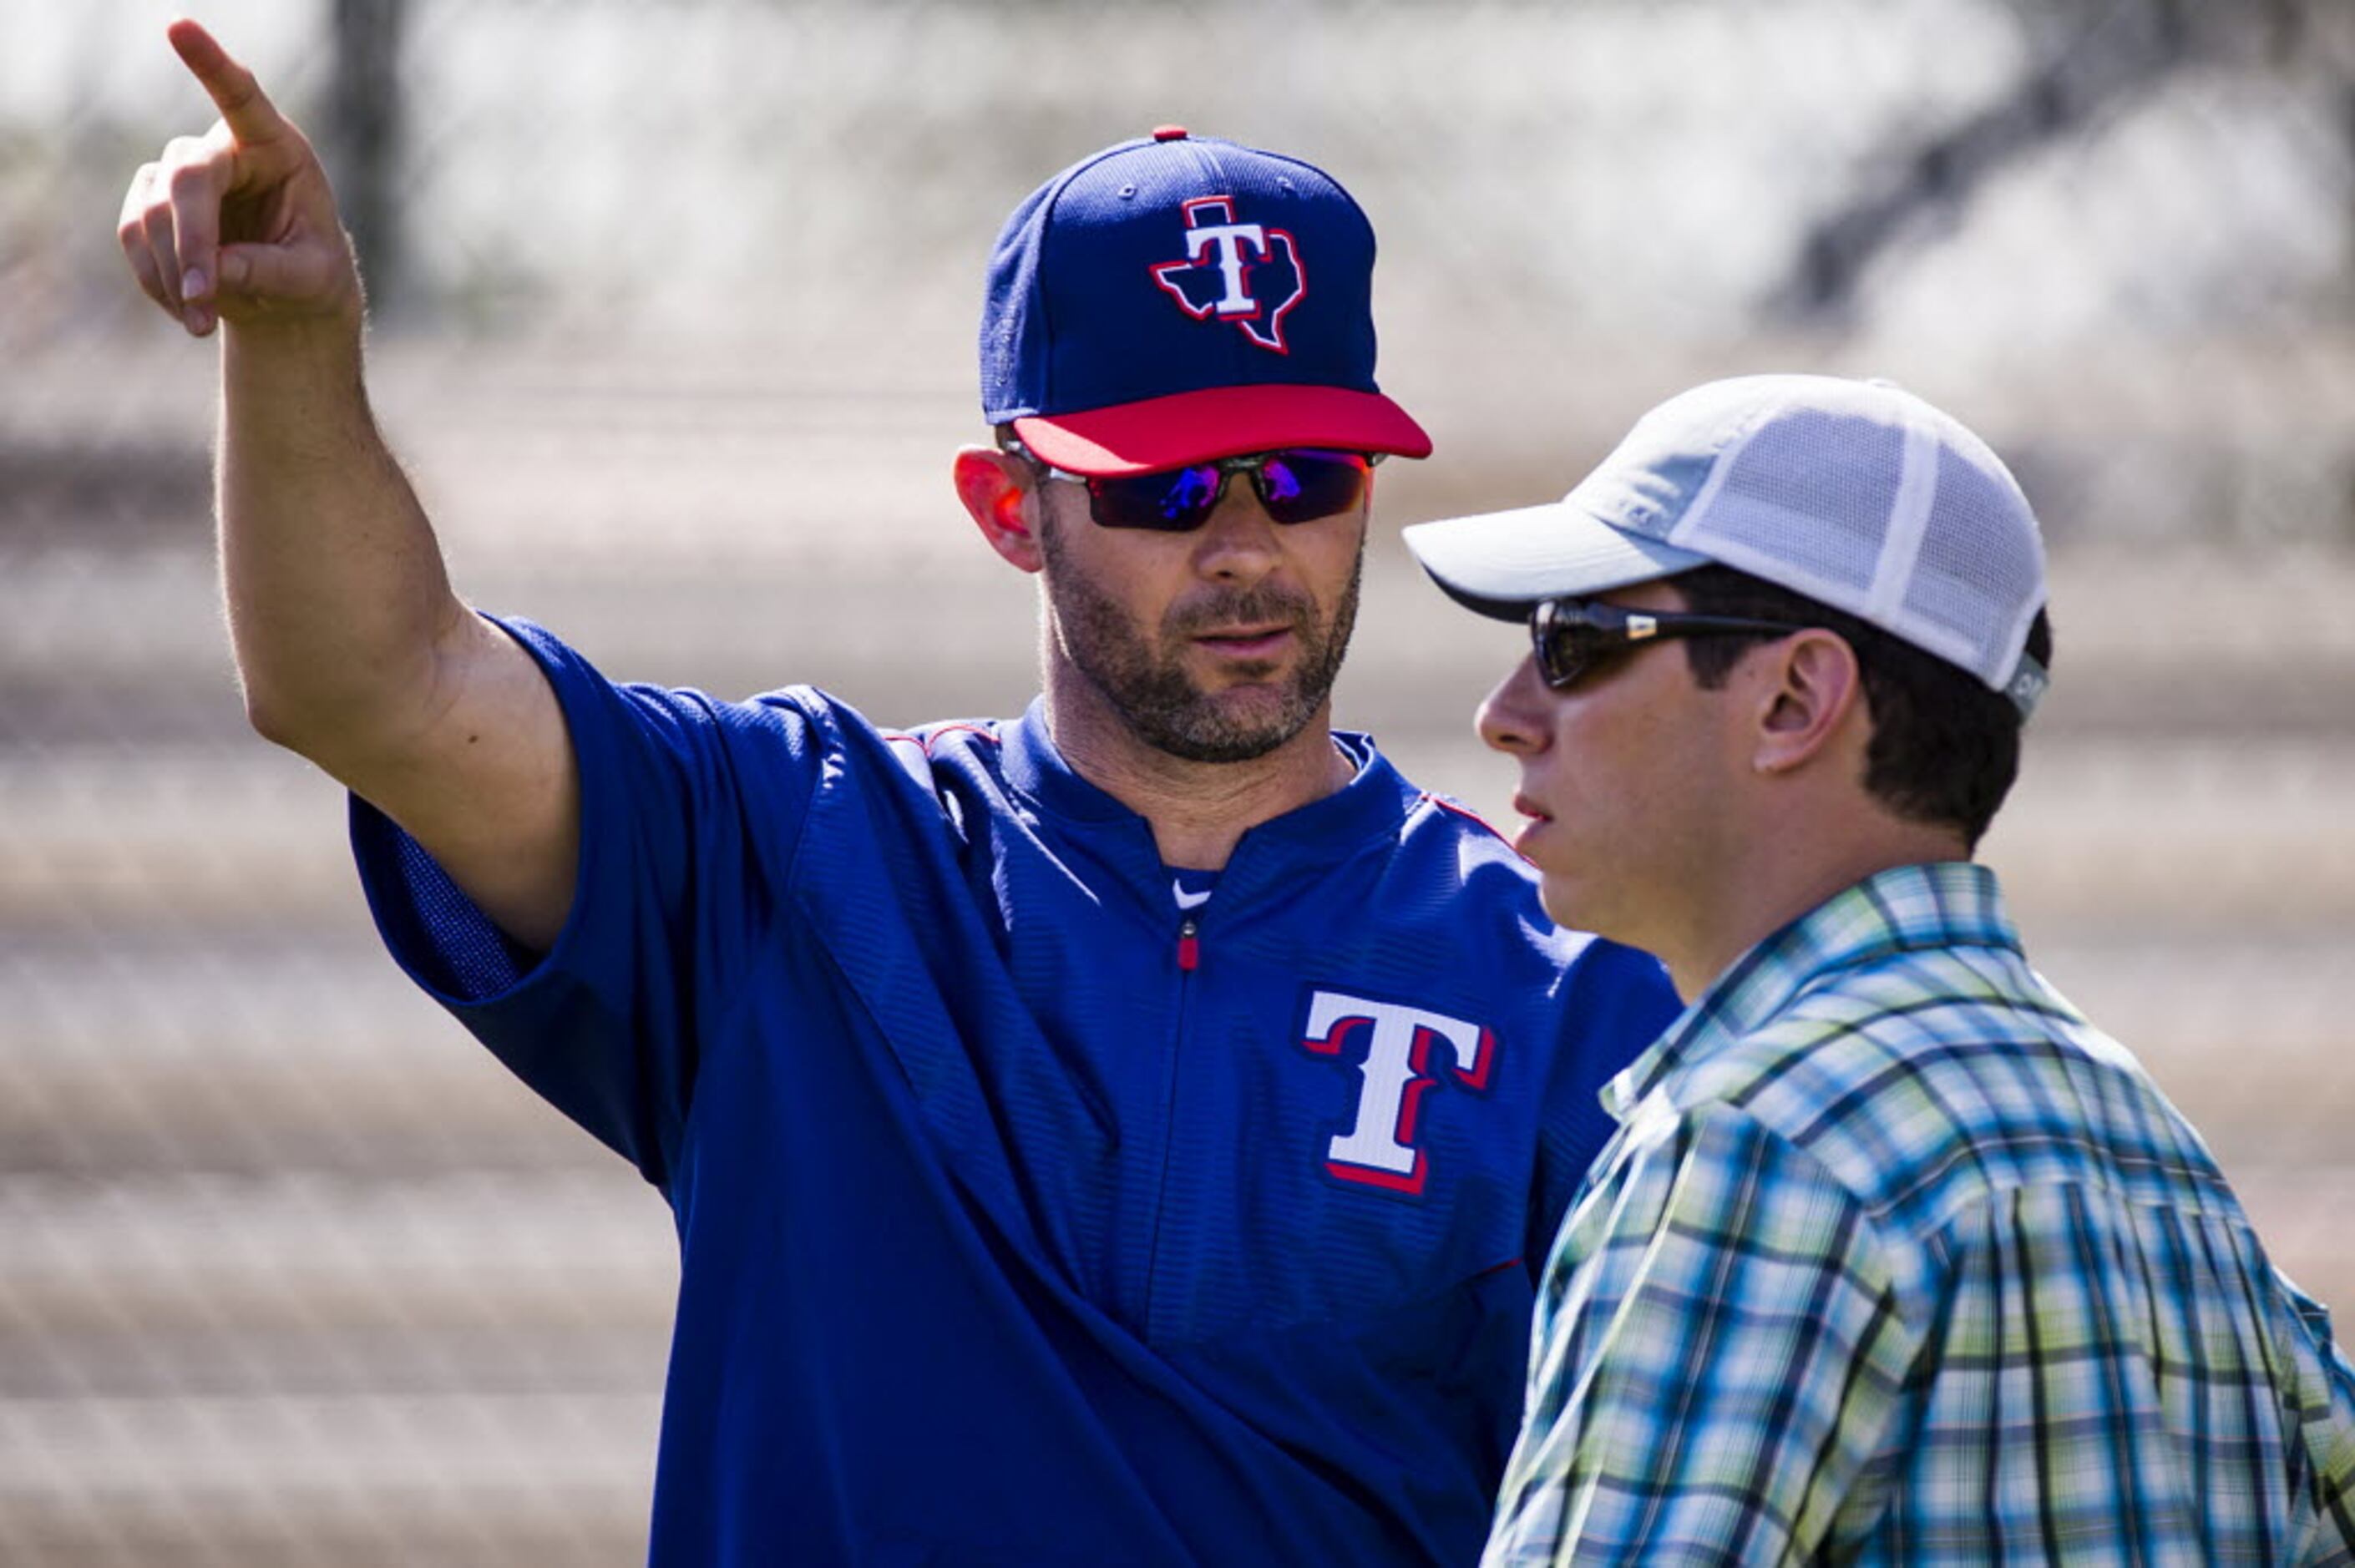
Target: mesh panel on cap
(1979,565)
(1811,493)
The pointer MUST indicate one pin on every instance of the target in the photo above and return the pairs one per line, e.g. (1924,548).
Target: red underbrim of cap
(1222,421)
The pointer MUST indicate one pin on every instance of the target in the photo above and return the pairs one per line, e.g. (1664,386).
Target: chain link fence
(674,307)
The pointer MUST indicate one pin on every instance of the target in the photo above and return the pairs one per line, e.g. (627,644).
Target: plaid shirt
(1896,1259)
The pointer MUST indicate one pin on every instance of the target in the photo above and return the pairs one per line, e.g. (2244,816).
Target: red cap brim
(1221,421)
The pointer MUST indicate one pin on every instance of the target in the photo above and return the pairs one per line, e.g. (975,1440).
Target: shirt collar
(1907,908)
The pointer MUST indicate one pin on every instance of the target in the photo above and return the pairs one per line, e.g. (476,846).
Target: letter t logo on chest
(1379,1150)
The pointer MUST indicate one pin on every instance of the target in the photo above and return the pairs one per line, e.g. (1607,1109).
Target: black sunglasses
(1294,485)
(1575,637)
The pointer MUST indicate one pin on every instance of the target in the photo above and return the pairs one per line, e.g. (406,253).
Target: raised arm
(351,646)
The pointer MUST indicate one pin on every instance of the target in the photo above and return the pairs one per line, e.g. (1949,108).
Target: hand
(238,224)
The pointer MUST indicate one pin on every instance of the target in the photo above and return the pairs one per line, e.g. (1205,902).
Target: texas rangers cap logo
(1239,272)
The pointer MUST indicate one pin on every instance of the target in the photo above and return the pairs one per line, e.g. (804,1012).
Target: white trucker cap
(1856,494)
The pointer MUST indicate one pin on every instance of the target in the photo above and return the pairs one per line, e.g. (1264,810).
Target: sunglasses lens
(1172,501)
(1569,646)
(1295,487)
(1558,660)
(1302,486)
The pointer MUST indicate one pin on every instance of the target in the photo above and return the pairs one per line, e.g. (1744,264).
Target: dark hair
(1944,748)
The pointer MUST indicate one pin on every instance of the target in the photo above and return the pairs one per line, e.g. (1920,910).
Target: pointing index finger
(244,107)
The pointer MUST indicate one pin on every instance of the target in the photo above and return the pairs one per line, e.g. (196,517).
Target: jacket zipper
(1190,959)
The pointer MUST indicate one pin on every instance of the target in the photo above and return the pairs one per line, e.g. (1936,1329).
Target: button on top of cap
(1170,132)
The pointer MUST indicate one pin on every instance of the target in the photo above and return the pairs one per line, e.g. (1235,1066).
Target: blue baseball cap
(1178,298)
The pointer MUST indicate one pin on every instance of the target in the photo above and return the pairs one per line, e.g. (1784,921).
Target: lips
(1539,820)
(1245,641)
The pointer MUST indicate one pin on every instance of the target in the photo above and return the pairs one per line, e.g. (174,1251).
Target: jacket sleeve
(690,813)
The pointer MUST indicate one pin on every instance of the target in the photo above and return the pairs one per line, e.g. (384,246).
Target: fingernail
(192,283)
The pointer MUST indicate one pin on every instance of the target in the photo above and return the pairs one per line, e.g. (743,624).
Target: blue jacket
(1023,1218)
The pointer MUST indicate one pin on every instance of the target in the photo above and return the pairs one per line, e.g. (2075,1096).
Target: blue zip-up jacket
(1023,1218)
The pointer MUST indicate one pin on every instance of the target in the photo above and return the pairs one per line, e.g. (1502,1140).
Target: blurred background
(674,304)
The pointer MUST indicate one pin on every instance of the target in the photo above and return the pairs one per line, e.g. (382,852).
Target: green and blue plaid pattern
(1897,1260)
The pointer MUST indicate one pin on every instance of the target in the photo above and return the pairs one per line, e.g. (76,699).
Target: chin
(1566,906)
(1255,705)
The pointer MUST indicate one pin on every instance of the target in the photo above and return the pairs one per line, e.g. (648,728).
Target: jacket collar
(1372,806)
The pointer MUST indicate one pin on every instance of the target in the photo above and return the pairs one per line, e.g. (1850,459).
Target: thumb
(297,275)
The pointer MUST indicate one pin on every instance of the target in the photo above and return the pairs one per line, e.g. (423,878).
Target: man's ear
(1808,686)
(998,491)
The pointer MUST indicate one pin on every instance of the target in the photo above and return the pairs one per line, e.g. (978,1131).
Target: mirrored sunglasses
(1294,485)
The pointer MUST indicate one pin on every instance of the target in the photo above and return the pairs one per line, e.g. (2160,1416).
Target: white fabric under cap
(1856,493)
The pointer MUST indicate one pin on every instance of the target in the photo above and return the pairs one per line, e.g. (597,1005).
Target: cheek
(1341,561)
(1110,585)
(1690,813)
(1623,780)
(1320,557)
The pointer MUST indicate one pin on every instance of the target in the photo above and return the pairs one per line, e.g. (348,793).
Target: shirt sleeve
(1718,1346)
(690,810)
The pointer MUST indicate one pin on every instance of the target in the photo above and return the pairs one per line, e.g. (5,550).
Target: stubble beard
(1142,677)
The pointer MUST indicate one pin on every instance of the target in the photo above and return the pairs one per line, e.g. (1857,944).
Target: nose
(1239,543)
(1512,718)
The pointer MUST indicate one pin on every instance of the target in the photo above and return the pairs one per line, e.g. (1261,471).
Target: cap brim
(1500,563)
(1221,421)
